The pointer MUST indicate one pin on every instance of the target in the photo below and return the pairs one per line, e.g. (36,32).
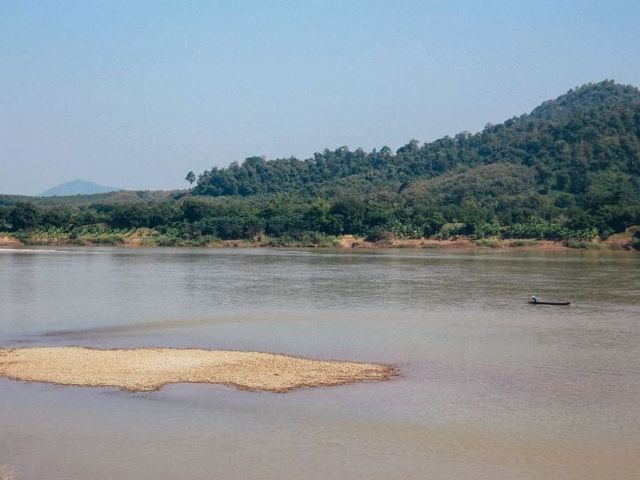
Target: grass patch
(523,242)
(110,239)
(169,241)
(584,245)
(488,242)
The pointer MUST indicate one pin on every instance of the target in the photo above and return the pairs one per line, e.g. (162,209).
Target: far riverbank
(150,238)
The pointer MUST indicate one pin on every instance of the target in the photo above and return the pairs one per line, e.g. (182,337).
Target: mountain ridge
(77,187)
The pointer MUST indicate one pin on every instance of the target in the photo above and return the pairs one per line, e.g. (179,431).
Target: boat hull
(549,303)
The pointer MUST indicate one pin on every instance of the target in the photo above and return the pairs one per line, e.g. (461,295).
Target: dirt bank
(7,241)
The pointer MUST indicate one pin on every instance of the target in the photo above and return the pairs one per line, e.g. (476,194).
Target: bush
(583,244)
(449,230)
(523,243)
(488,242)
(485,230)
(548,231)
(380,234)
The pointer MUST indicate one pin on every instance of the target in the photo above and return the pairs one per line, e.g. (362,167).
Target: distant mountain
(77,187)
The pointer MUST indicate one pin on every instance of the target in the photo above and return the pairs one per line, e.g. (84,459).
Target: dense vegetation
(569,170)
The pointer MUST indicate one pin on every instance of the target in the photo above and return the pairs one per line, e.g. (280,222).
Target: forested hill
(587,136)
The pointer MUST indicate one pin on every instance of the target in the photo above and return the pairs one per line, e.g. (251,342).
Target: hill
(77,187)
(589,129)
(577,159)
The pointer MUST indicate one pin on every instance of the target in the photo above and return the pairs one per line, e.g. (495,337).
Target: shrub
(380,234)
(488,242)
(449,230)
(523,243)
(583,244)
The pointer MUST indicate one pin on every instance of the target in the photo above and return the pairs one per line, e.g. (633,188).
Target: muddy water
(491,387)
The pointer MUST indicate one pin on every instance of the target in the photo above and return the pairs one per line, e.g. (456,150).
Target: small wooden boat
(537,302)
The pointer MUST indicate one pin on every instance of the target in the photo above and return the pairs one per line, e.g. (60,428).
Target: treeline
(282,218)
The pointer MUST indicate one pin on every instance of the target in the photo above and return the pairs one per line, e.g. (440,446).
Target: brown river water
(490,387)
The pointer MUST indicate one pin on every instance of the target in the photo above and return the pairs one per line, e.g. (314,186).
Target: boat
(537,302)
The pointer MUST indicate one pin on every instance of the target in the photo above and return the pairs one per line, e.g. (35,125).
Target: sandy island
(146,369)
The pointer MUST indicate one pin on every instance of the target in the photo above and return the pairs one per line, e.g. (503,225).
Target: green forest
(567,171)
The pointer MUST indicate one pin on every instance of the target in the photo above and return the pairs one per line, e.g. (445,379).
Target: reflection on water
(491,387)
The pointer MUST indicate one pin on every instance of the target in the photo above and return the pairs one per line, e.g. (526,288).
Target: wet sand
(147,369)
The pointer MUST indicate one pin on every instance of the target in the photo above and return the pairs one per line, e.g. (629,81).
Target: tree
(24,216)
(191,177)
(130,216)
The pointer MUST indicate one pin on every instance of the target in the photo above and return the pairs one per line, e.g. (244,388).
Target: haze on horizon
(137,95)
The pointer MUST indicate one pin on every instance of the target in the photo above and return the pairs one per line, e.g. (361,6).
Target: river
(489,386)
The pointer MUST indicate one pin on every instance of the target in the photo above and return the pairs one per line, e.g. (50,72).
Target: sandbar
(148,369)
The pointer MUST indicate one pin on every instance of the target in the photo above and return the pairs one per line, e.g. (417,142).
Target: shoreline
(344,242)
(150,369)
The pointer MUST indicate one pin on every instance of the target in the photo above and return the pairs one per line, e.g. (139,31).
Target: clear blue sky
(136,93)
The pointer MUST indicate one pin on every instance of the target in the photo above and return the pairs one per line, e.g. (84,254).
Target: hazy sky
(135,93)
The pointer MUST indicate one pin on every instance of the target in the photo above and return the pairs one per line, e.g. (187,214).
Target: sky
(134,94)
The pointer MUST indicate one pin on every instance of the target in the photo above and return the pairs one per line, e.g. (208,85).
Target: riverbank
(8,241)
(144,237)
(148,369)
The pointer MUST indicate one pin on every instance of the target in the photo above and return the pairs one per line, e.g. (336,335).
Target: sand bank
(144,369)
